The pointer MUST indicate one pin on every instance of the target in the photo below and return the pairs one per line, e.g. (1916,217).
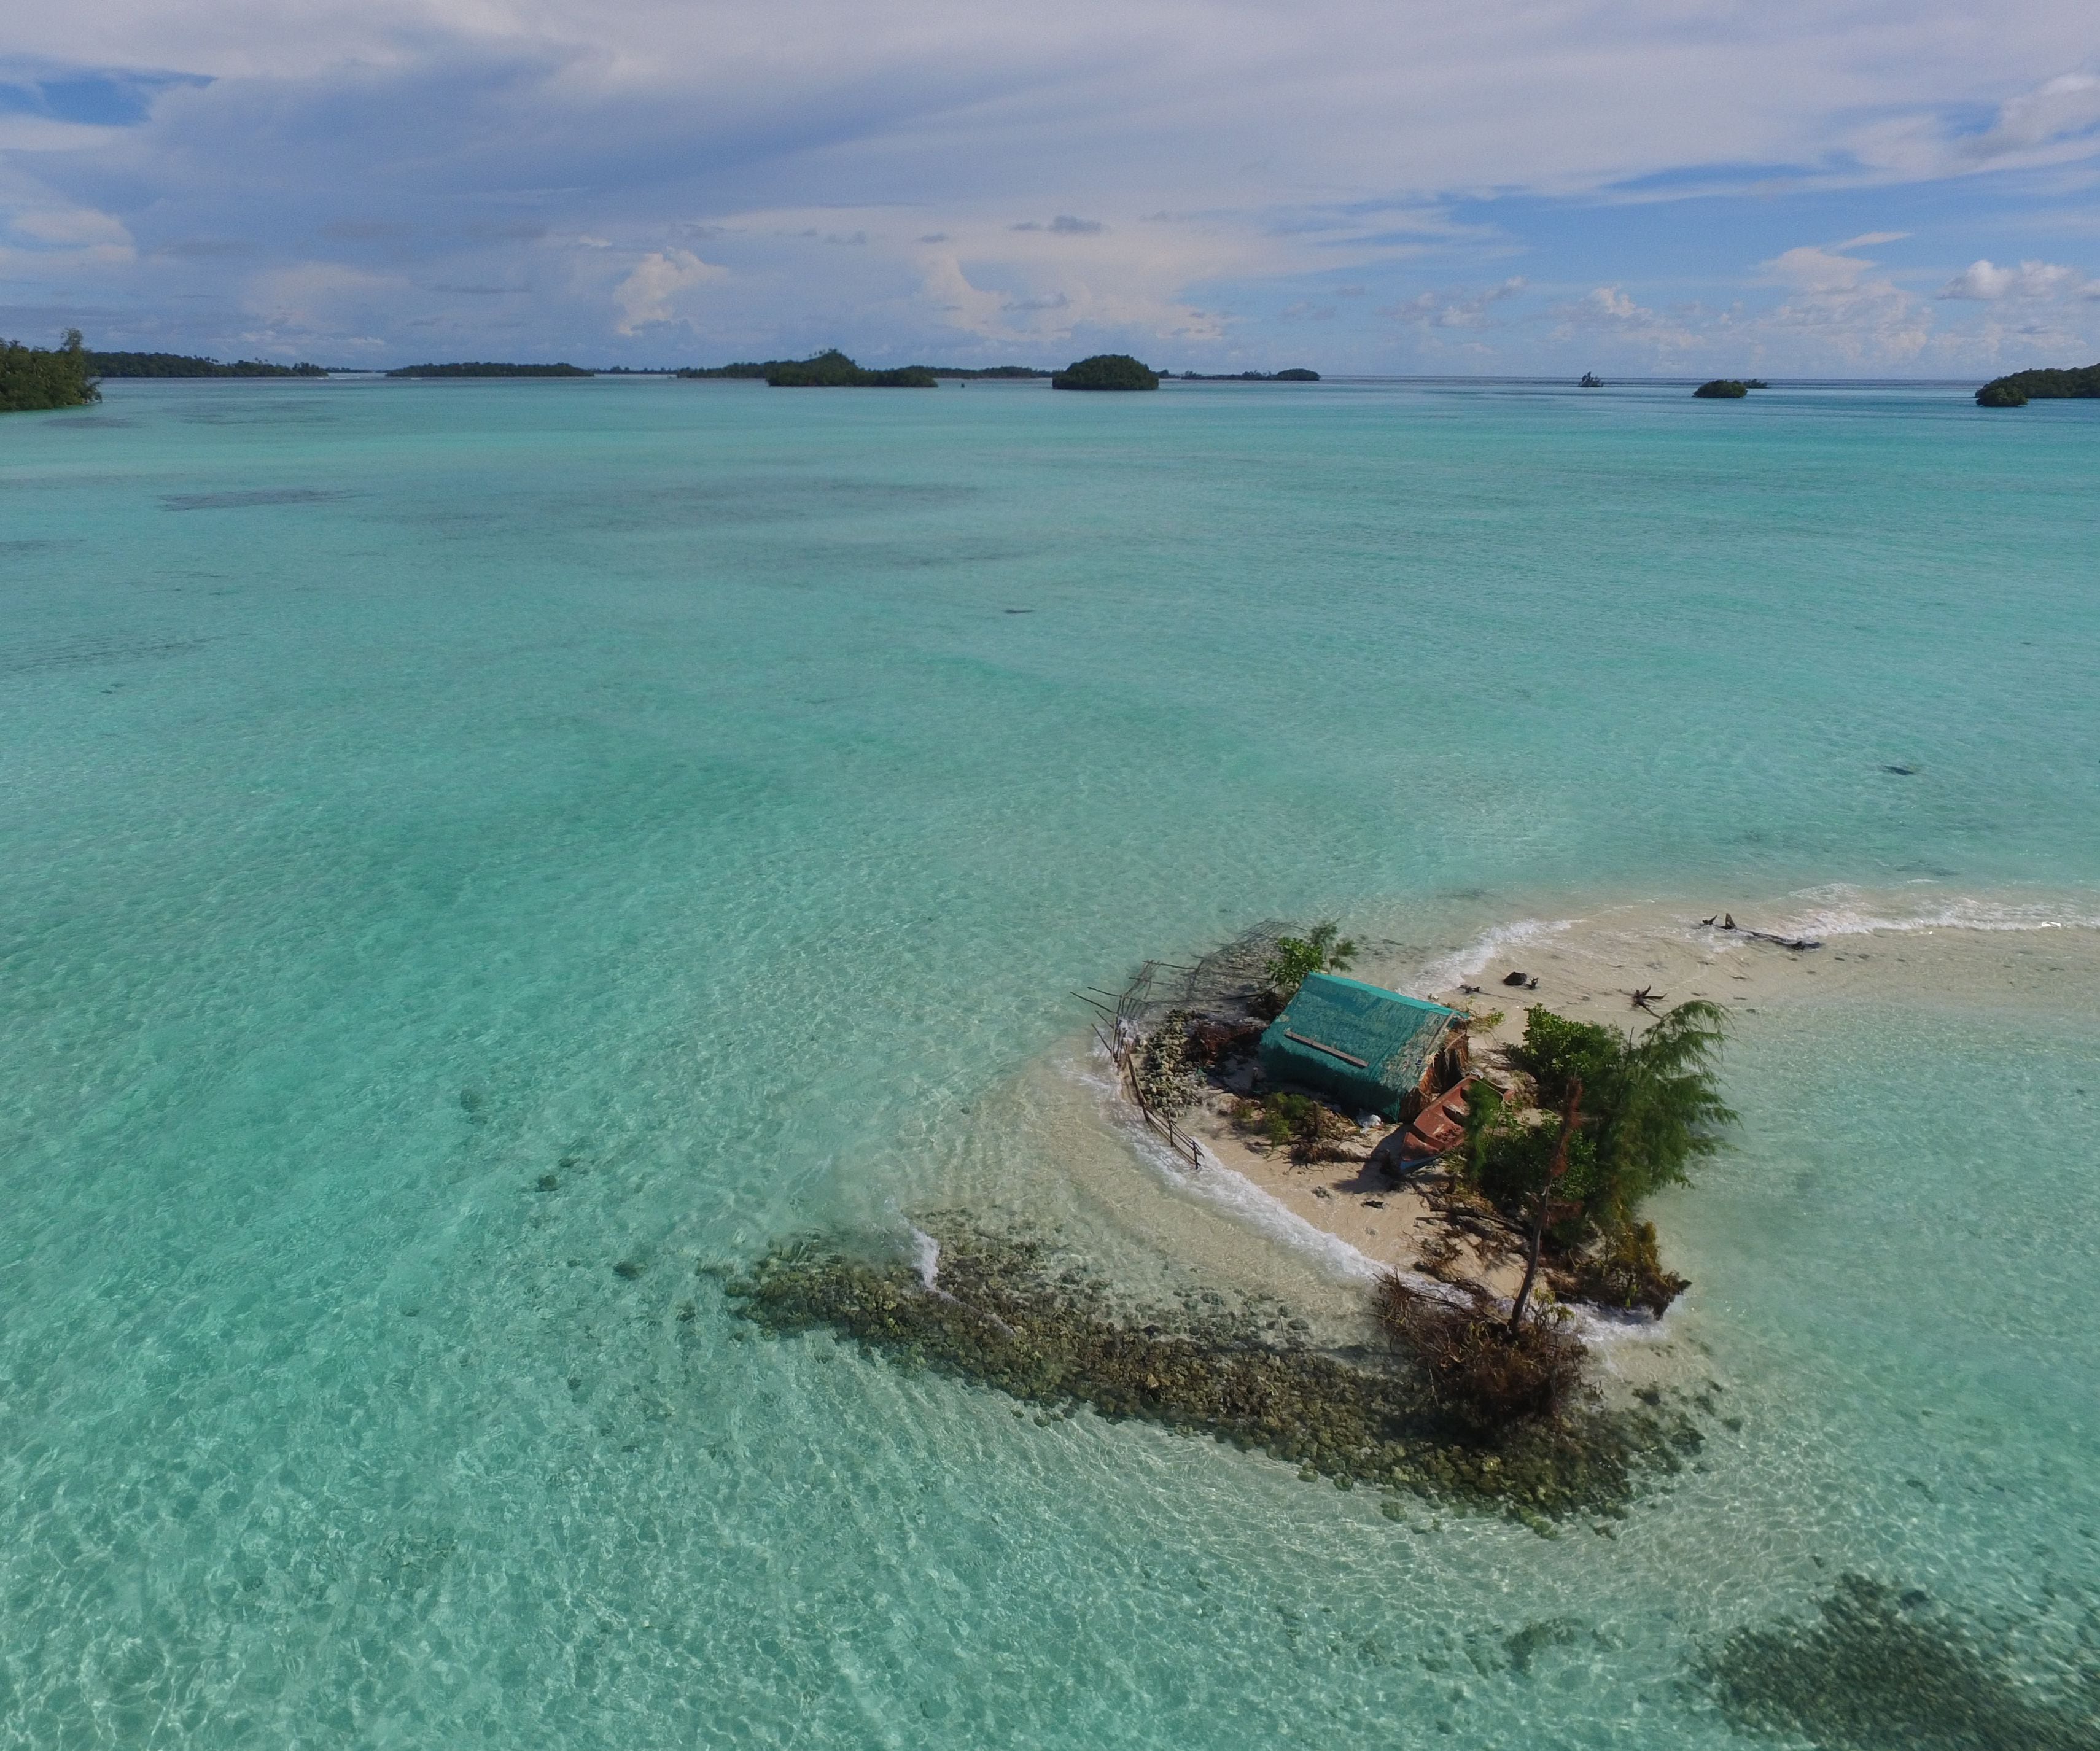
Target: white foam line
(1463,963)
(926,1257)
(1840,910)
(1219,1184)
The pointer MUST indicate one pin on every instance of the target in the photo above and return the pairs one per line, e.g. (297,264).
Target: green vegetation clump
(832,369)
(1881,1671)
(1722,389)
(1623,1270)
(1645,1110)
(1106,371)
(1323,949)
(35,379)
(2023,386)
(1312,1128)
(492,370)
(1002,1313)
(748,370)
(185,364)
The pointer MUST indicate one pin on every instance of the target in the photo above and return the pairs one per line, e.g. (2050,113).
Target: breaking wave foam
(1841,911)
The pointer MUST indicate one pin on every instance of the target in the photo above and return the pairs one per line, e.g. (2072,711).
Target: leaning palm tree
(1323,949)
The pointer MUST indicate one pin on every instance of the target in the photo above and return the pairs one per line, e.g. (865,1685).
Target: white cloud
(1354,131)
(74,226)
(1817,267)
(2059,110)
(1982,283)
(650,293)
(1462,308)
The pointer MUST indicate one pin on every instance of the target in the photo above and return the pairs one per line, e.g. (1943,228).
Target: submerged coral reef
(1880,1670)
(1006,1313)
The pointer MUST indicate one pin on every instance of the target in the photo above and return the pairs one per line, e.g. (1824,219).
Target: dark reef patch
(243,501)
(1005,1313)
(1883,1671)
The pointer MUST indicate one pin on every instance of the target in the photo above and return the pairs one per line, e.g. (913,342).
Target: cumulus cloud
(1454,309)
(1981,282)
(650,293)
(1390,150)
(1839,309)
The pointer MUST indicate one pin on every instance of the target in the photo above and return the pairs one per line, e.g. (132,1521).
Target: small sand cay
(1364,1182)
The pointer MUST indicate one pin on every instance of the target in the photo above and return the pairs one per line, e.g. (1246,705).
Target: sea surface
(461,838)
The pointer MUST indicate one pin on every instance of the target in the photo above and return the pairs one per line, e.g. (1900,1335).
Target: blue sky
(1665,186)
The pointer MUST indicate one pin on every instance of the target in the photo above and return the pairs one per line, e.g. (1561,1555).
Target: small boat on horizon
(1590,380)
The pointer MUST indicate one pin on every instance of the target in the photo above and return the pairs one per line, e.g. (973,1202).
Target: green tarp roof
(1364,1044)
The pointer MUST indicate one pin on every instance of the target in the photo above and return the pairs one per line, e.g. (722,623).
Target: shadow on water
(179,502)
(1880,1670)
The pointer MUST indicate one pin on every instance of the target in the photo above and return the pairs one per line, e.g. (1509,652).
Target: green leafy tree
(1323,949)
(831,369)
(1106,371)
(2022,386)
(1651,1108)
(34,378)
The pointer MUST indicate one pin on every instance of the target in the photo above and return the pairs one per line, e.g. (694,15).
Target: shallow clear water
(415,791)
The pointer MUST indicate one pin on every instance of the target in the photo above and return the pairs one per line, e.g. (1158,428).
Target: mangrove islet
(35,379)
(1106,371)
(2020,387)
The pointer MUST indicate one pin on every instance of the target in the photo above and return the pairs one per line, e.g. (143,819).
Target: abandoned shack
(1363,1047)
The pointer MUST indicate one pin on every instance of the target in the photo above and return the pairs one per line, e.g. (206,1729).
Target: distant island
(1590,380)
(833,369)
(186,364)
(1106,371)
(2023,386)
(1297,375)
(33,379)
(1722,389)
(492,370)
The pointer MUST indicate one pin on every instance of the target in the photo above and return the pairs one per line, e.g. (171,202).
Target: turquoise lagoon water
(706,798)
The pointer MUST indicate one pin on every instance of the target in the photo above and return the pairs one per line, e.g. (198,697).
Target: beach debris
(1798,944)
(1515,977)
(1647,998)
(1472,990)
(1438,1128)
